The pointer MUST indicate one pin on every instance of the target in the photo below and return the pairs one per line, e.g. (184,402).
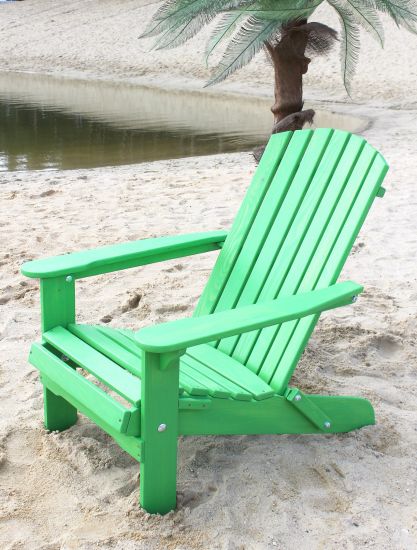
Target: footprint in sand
(132,303)
(387,346)
(177,267)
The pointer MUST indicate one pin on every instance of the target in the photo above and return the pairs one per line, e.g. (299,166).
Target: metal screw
(68,278)
(354,299)
(297,397)
(64,358)
(162,427)
(327,424)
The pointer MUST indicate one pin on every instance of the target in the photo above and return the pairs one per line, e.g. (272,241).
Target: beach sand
(77,489)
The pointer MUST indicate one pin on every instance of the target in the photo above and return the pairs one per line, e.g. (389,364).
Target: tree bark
(290,64)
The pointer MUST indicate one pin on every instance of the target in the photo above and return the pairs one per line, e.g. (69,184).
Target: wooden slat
(347,181)
(265,355)
(345,239)
(190,383)
(196,378)
(123,337)
(229,368)
(261,225)
(79,391)
(194,369)
(219,381)
(262,178)
(109,347)
(314,169)
(105,370)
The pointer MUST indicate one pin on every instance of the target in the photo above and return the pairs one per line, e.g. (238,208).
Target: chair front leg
(57,309)
(159,431)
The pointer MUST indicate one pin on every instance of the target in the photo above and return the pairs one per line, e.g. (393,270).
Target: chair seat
(204,370)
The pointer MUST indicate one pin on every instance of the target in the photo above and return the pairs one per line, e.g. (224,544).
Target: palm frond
(350,41)
(224,28)
(179,32)
(282,10)
(245,43)
(403,12)
(367,17)
(173,13)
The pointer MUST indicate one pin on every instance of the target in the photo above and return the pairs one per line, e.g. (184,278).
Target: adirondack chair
(225,370)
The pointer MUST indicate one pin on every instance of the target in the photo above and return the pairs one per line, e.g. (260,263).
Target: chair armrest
(123,256)
(184,333)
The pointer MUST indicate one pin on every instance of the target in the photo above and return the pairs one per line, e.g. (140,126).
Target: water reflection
(46,123)
(33,138)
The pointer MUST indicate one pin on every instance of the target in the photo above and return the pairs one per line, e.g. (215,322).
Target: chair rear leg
(58,413)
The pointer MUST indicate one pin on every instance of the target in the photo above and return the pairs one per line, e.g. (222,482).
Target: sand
(77,489)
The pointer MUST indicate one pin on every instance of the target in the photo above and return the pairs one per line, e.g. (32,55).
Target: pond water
(49,123)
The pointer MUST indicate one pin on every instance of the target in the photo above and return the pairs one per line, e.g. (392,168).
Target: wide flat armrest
(184,333)
(123,256)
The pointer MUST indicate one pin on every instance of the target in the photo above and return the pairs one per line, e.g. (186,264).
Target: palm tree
(283,29)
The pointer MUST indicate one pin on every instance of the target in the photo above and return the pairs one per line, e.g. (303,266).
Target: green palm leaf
(179,32)
(280,10)
(403,12)
(176,12)
(367,16)
(247,41)
(224,28)
(350,41)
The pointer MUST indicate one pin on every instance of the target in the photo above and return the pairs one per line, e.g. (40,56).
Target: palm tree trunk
(290,64)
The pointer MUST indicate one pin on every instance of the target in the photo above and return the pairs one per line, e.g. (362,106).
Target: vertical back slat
(301,201)
(332,268)
(315,247)
(263,176)
(258,233)
(293,232)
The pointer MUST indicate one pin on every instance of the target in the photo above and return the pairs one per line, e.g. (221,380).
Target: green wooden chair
(225,370)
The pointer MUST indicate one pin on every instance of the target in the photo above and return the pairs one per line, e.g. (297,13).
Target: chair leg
(158,479)
(59,414)
(159,432)
(57,309)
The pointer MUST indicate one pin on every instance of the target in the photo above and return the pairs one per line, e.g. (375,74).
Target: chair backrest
(302,212)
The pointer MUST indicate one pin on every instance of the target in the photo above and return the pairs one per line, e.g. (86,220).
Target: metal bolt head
(68,278)
(297,397)
(354,299)
(327,424)
(162,427)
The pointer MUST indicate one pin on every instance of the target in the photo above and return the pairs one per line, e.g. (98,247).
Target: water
(49,123)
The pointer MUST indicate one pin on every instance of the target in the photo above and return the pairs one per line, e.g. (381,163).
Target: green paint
(226,370)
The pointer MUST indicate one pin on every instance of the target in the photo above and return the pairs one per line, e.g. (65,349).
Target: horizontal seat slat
(213,388)
(105,344)
(121,337)
(109,354)
(100,366)
(235,391)
(229,369)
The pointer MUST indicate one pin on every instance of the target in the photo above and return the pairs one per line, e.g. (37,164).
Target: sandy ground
(78,490)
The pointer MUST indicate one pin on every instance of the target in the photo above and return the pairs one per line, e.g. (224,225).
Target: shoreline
(196,86)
